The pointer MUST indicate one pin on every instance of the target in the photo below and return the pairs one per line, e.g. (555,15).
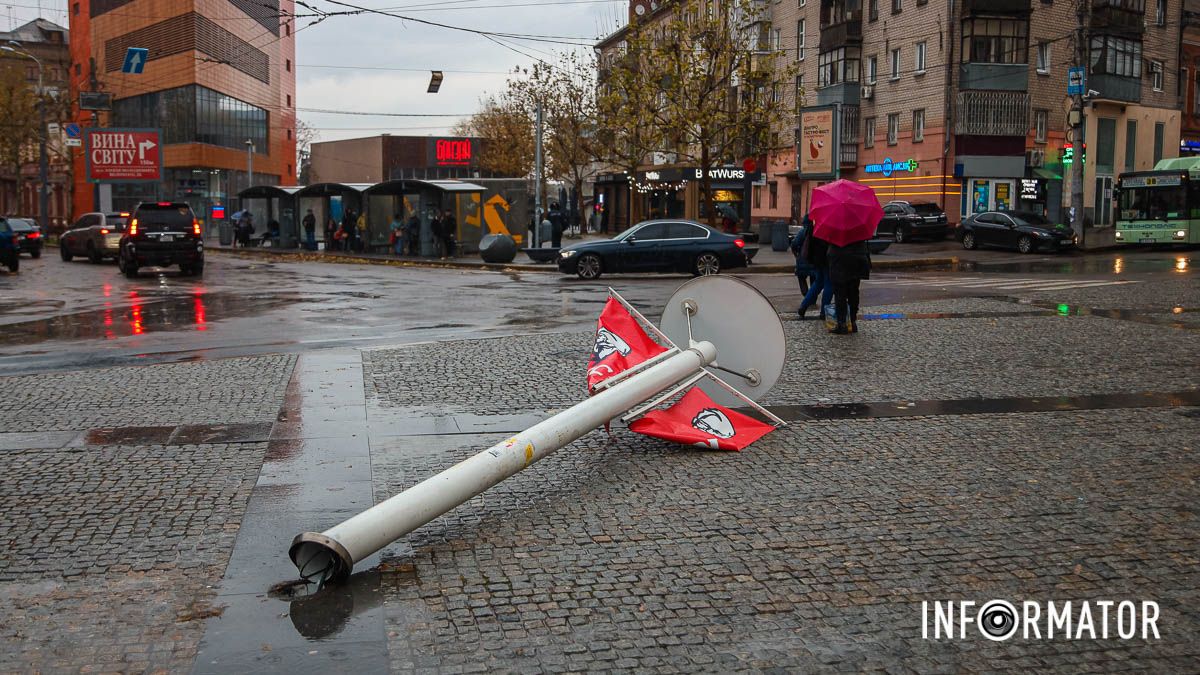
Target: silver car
(95,235)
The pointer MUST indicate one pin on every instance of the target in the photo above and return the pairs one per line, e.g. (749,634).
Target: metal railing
(992,113)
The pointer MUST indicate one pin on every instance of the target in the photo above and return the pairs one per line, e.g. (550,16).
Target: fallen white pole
(332,554)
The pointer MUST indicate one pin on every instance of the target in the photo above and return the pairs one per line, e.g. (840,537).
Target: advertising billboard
(817,146)
(123,155)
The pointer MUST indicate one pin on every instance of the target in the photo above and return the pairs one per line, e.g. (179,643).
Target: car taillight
(103,231)
(164,203)
(33,235)
(196,227)
(739,243)
(133,227)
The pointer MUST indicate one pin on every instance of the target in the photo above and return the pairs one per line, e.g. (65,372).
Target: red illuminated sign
(123,155)
(452,151)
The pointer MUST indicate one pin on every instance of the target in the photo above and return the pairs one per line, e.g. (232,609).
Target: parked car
(658,246)
(1021,230)
(161,234)
(95,235)
(10,252)
(905,221)
(29,235)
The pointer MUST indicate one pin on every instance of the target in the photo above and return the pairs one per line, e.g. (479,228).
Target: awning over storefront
(1046,173)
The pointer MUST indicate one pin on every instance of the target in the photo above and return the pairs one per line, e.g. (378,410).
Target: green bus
(1161,206)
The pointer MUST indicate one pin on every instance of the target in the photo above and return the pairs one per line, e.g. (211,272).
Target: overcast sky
(361,46)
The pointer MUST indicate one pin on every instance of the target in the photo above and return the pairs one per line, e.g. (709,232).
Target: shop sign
(816,154)
(450,151)
(672,175)
(725,174)
(1068,154)
(1031,190)
(888,167)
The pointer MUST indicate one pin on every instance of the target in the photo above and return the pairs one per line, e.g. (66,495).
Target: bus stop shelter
(426,198)
(328,202)
(271,202)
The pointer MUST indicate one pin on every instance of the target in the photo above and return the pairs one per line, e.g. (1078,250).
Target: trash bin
(225,233)
(779,237)
(766,229)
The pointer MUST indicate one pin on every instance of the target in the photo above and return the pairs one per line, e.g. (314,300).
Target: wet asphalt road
(64,316)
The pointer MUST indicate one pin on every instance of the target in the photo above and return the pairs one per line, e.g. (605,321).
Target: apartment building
(964,102)
(1189,79)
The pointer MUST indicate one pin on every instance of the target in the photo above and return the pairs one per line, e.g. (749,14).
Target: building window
(872,69)
(195,114)
(1106,145)
(996,40)
(1160,13)
(1156,75)
(289,100)
(287,29)
(893,129)
(773,195)
(75,9)
(1043,58)
(800,40)
(758,196)
(289,169)
(837,66)
(895,60)
(288,63)
(920,64)
(1159,131)
(896,6)
(1040,118)
(1111,55)
(1130,144)
(289,133)
(869,132)
(78,69)
(802,3)
(1181,85)
(873,10)
(918,131)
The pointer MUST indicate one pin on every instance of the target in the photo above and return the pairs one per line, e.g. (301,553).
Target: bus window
(1154,203)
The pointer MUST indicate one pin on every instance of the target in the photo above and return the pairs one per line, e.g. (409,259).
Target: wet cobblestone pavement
(147,520)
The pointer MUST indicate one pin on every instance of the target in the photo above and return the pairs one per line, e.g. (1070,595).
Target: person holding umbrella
(846,215)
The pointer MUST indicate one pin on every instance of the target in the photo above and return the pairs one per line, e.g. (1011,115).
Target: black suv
(905,221)
(160,234)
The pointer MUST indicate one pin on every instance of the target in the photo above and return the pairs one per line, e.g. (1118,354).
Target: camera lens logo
(998,620)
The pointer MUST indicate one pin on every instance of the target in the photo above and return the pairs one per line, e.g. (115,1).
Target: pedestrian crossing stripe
(1003,283)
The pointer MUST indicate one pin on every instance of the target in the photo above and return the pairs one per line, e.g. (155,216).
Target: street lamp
(43,159)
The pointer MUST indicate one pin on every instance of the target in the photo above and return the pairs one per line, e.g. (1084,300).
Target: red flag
(696,420)
(620,344)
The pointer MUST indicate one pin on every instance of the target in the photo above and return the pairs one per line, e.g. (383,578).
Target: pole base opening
(319,558)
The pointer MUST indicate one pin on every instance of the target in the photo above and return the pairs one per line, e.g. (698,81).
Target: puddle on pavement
(889,316)
(1079,264)
(138,313)
(841,411)
(1157,316)
(129,436)
(322,612)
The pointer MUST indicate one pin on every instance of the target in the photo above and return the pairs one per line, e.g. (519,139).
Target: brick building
(219,81)
(1189,79)
(378,158)
(19,189)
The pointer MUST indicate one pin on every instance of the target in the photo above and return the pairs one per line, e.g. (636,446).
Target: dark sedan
(1021,230)
(657,246)
(29,235)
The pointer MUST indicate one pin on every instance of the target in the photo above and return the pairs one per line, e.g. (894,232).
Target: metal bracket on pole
(671,393)
(749,401)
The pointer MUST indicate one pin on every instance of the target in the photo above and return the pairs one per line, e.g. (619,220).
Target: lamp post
(249,162)
(43,159)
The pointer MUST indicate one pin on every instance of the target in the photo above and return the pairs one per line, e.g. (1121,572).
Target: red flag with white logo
(696,420)
(620,344)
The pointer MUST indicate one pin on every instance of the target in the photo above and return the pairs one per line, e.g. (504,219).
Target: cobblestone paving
(109,553)
(1165,295)
(811,551)
(889,360)
(202,392)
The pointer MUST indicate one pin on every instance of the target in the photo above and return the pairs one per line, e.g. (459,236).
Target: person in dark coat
(349,230)
(310,231)
(412,233)
(449,232)
(848,265)
(435,231)
(815,251)
(556,225)
(804,270)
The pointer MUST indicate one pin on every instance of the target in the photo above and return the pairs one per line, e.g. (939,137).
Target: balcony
(992,113)
(846,93)
(1119,17)
(1116,87)
(971,7)
(1002,76)
(842,34)
(849,133)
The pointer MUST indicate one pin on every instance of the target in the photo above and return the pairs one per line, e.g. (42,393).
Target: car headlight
(1120,235)
(567,254)
(1180,234)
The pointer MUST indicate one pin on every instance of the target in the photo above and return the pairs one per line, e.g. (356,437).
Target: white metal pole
(333,553)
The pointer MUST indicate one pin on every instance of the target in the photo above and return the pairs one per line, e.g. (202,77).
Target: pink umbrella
(845,212)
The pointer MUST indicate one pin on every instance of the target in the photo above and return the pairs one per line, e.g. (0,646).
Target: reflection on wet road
(56,315)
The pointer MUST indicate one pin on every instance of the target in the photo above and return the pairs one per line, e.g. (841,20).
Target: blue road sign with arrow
(73,130)
(135,60)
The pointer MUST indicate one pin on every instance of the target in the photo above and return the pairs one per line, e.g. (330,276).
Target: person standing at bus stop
(310,231)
